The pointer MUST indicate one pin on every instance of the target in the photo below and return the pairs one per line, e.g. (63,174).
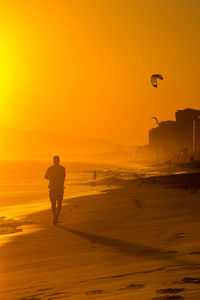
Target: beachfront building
(188,129)
(162,139)
(179,138)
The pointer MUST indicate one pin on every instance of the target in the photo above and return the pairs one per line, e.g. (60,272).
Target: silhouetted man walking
(56,176)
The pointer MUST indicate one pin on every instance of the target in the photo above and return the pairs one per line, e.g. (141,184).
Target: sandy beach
(139,241)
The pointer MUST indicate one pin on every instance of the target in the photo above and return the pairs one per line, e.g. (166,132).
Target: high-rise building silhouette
(180,137)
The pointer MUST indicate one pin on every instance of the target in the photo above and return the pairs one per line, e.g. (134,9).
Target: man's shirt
(56,176)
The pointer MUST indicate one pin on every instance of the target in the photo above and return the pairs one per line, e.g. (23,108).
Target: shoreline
(182,180)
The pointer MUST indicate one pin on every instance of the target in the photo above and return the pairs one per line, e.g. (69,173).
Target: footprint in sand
(58,295)
(194,253)
(30,298)
(95,292)
(169,297)
(190,280)
(43,290)
(169,291)
(51,296)
(179,235)
(133,286)
(175,236)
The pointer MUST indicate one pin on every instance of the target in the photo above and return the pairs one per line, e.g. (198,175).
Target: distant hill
(18,144)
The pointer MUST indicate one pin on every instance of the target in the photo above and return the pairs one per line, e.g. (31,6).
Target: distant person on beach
(56,176)
(95,175)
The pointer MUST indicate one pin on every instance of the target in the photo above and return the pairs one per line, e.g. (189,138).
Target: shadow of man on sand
(131,249)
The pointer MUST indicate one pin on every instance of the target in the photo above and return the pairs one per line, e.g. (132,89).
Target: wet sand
(187,181)
(140,241)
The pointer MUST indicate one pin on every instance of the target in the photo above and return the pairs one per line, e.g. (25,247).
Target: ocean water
(23,189)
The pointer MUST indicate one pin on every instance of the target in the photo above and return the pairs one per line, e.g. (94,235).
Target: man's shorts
(56,194)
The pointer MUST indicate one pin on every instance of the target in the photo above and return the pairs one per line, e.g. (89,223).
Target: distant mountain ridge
(35,144)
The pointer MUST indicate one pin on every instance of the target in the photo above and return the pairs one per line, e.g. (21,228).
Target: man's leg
(59,206)
(53,206)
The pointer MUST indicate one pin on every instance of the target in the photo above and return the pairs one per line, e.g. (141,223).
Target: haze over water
(24,190)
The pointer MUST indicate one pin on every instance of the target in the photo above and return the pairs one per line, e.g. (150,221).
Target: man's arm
(46,176)
(64,175)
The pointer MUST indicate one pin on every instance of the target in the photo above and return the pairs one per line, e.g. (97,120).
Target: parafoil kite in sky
(156,119)
(154,79)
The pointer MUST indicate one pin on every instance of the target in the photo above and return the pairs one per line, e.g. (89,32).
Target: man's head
(56,160)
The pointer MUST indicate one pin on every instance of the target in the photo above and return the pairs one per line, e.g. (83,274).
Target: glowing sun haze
(83,67)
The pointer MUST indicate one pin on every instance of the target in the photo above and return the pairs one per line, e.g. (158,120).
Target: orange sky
(83,67)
